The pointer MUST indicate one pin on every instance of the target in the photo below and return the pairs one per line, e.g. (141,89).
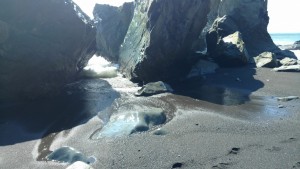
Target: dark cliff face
(43,44)
(163,36)
(112,25)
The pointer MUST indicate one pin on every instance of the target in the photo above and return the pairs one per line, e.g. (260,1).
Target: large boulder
(164,36)
(43,45)
(160,38)
(266,59)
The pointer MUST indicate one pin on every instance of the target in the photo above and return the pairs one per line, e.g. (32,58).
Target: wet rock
(69,155)
(266,59)
(154,88)
(203,67)
(288,98)
(43,47)
(79,165)
(137,119)
(291,68)
(288,61)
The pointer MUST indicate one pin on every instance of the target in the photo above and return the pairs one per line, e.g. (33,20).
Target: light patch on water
(98,67)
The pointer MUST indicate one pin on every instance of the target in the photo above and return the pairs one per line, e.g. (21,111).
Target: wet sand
(233,120)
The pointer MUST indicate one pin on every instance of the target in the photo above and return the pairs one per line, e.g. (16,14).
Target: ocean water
(285,38)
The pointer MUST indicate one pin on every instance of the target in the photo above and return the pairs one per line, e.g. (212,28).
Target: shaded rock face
(248,17)
(112,25)
(160,38)
(43,44)
(163,36)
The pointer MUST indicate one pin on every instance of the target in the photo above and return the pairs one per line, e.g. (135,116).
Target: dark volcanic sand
(232,121)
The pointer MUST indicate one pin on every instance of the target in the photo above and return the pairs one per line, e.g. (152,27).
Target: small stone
(281,106)
(154,88)
(177,165)
(234,150)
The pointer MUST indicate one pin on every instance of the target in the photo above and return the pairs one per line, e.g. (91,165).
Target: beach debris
(79,165)
(291,68)
(69,155)
(281,106)
(154,88)
(266,59)
(288,98)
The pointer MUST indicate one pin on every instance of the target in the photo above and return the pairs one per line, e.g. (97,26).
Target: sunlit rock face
(43,44)
(166,38)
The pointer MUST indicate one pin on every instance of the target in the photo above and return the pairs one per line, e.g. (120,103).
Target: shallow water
(285,38)
(230,102)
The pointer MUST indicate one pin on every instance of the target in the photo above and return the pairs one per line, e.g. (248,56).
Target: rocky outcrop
(112,25)
(166,38)
(43,45)
(160,38)
(266,59)
(228,51)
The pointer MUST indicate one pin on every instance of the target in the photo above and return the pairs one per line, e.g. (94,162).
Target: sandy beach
(232,121)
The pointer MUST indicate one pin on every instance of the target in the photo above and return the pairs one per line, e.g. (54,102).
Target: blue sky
(284,14)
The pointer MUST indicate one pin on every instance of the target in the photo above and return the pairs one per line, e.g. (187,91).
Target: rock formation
(163,36)
(43,45)
(266,59)
(112,24)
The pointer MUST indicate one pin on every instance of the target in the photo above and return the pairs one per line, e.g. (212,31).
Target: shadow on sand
(228,86)
(80,101)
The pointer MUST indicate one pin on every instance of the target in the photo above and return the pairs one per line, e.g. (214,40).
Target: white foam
(98,67)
